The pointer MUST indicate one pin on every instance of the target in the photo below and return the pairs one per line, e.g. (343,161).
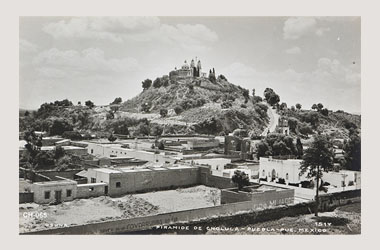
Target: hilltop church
(188,71)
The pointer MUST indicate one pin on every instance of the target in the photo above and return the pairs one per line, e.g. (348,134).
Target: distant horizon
(305,60)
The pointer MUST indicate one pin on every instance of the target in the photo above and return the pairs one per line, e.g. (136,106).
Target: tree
(26,113)
(163,112)
(157,83)
(263,149)
(324,112)
(314,106)
(292,122)
(72,135)
(292,108)
(117,100)
(256,99)
(319,106)
(156,130)
(146,106)
(271,97)
(241,179)
(246,95)
(89,104)
(222,77)
(352,149)
(178,110)
(298,106)
(299,148)
(283,106)
(146,84)
(253,92)
(59,126)
(319,156)
(110,115)
(112,138)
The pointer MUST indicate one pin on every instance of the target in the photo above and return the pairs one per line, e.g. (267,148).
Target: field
(34,217)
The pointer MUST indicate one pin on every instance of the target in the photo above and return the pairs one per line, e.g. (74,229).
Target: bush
(157,83)
(241,179)
(226,104)
(256,99)
(178,110)
(145,107)
(281,181)
(59,126)
(163,112)
(305,129)
(72,135)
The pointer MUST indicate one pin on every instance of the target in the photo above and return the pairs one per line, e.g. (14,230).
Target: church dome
(185,66)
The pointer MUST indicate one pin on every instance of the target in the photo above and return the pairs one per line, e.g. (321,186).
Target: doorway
(58,196)
(273,175)
(106,190)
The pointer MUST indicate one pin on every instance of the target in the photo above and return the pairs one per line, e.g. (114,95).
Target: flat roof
(60,182)
(93,184)
(107,170)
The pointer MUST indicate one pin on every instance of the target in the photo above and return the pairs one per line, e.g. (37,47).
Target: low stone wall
(233,214)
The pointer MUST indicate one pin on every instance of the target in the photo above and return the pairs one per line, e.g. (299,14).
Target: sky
(305,60)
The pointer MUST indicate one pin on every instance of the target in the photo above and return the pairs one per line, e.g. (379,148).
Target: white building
(274,169)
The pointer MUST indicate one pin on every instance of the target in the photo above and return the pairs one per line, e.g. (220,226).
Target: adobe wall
(90,190)
(140,181)
(25,197)
(206,178)
(266,198)
(104,151)
(69,174)
(233,214)
(39,191)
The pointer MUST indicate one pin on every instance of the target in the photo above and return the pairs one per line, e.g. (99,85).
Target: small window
(118,184)
(263,172)
(47,194)
(92,151)
(68,193)
(93,180)
(91,189)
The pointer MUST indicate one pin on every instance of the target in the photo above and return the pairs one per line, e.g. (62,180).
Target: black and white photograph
(189,125)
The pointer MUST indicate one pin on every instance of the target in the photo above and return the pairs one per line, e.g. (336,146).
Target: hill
(209,107)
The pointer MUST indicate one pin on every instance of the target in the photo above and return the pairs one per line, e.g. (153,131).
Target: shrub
(163,112)
(178,110)
(72,135)
(226,104)
(241,179)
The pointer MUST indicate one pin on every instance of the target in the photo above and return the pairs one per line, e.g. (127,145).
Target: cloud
(295,27)
(322,31)
(26,46)
(69,63)
(293,50)
(141,29)
(109,28)
(332,83)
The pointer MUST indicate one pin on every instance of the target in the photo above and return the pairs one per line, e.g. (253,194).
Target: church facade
(186,71)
